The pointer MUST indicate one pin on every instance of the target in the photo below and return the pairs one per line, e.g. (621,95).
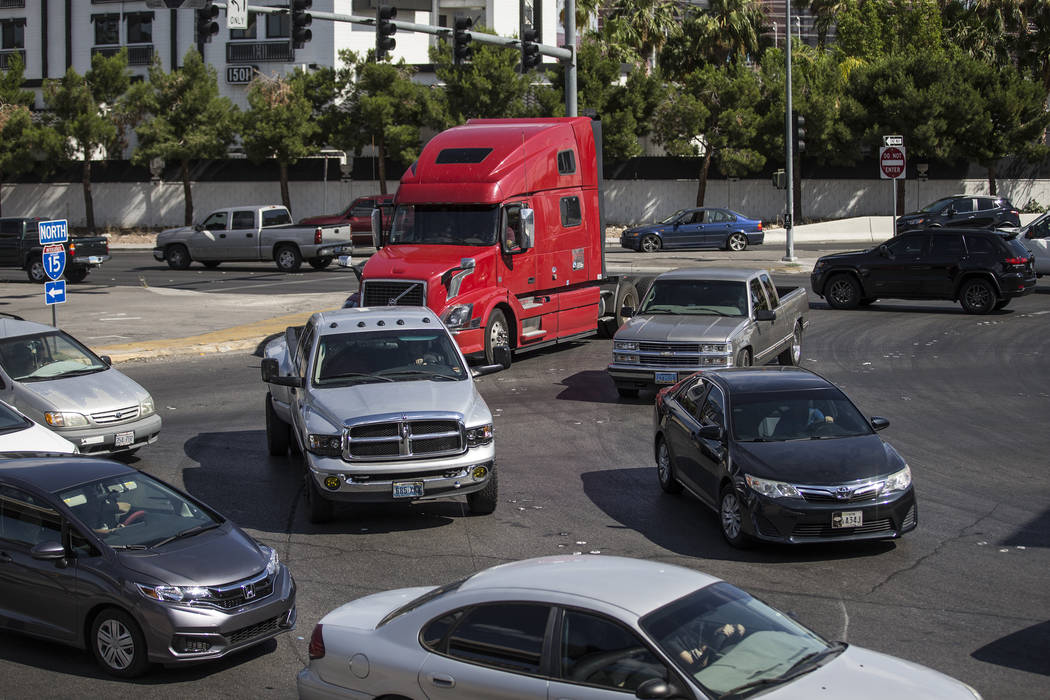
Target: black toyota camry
(781,454)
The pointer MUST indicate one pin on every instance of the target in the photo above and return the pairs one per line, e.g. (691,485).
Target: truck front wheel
(177,257)
(318,508)
(35,271)
(288,258)
(497,333)
(483,502)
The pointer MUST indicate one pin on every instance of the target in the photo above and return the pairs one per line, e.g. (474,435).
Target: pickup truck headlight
(481,435)
(146,407)
(62,419)
(714,361)
(325,445)
(713,347)
(457,316)
(772,489)
(898,481)
(625,359)
(174,594)
(625,345)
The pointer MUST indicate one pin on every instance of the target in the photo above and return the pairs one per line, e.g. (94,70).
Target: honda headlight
(898,481)
(273,561)
(62,419)
(325,445)
(174,594)
(146,407)
(625,345)
(772,489)
(481,435)
(457,316)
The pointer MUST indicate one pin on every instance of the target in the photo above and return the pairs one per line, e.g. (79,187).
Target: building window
(107,29)
(248,33)
(13,34)
(278,26)
(140,27)
(532,16)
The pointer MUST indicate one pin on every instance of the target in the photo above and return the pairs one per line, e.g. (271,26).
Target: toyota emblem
(842,493)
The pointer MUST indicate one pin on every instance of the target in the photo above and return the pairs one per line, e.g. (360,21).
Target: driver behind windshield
(714,297)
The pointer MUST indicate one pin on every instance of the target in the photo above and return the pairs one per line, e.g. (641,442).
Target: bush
(1033,207)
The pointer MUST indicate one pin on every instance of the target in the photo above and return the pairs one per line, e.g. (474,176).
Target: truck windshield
(387,356)
(445,225)
(35,358)
(700,297)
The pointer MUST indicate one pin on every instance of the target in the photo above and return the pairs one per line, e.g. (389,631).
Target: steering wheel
(133,517)
(820,428)
(589,665)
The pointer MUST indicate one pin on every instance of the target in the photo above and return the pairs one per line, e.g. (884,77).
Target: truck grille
(412,439)
(118,415)
(383,292)
(689,348)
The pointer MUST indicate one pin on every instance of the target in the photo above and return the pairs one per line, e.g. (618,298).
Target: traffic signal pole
(789,254)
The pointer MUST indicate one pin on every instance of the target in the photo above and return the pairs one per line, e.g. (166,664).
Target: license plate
(124,439)
(408,489)
(345,260)
(95,259)
(849,518)
(665,377)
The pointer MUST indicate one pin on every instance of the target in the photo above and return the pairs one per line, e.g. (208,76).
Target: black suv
(963,210)
(982,270)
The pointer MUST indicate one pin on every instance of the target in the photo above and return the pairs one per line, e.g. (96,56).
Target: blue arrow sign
(54,261)
(53,232)
(55,292)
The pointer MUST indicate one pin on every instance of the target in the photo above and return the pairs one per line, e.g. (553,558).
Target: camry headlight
(146,407)
(61,419)
(481,435)
(325,445)
(457,316)
(772,489)
(274,560)
(625,345)
(174,594)
(898,481)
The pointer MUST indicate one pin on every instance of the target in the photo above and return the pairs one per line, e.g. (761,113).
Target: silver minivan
(58,382)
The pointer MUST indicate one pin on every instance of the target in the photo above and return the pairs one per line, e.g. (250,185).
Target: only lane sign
(54,258)
(53,231)
(892,162)
(55,292)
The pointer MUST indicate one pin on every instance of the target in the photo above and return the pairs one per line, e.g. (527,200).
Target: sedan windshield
(134,511)
(699,297)
(444,225)
(673,217)
(47,356)
(387,356)
(726,640)
(806,415)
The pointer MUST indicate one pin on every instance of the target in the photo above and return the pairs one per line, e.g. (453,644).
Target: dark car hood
(845,255)
(831,461)
(650,228)
(212,558)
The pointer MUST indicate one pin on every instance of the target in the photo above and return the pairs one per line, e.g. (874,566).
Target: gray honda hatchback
(96,554)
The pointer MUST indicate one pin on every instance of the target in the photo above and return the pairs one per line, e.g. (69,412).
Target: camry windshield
(47,356)
(134,511)
(700,297)
(801,415)
(733,644)
(444,225)
(387,356)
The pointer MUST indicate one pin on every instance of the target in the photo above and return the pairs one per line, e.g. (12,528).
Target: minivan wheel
(118,644)
(843,292)
(650,243)
(977,296)
(278,433)
(665,469)
(736,243)
(731,518)
(483,502)
(318,508)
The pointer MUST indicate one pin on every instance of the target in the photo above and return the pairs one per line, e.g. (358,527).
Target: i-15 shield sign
(54,261)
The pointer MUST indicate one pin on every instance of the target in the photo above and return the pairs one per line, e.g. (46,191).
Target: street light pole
(789,255)
(570,67)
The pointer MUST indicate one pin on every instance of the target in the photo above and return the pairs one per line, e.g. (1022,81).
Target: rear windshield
(1016,247)
(276,217)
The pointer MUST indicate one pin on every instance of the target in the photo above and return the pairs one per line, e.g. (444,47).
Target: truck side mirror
(528,229)
(377,228)
(765,315)
(271,374)
(198,227)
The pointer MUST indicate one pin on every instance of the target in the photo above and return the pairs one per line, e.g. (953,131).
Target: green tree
(729,30)
(81,114)
(640,27)
(713,114)
(489,86)
(185,119)
(20,137)
(273,128)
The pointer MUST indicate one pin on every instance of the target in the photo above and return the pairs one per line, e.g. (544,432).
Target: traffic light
(207,27)
(530,49)
(461,50)
(301,21)
(385,30)
(800,132)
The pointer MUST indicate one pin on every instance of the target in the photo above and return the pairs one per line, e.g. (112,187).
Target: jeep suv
(963,210)
(982,270)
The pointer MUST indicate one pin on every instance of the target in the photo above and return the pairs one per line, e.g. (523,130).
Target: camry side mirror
(879,423)
(710,432)
(107,359)
(198,227)
(46,551)
(884,251)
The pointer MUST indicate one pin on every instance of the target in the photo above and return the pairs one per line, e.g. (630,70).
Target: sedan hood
(862,674)
(88,393)
(818,462)
(683,329)
(379,398)
(35,438)
(648,228)
(365,613)
(212,558)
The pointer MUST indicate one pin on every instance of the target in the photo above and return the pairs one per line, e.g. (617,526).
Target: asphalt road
(966,593)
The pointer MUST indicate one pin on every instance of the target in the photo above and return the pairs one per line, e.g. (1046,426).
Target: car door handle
(250,235)
(222,235)
(442,680)
(5,558)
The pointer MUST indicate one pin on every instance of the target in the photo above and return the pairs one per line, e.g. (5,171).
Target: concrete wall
(151,205)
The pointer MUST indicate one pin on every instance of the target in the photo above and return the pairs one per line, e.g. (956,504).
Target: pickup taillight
(72,249)
(317,236)
(759,225)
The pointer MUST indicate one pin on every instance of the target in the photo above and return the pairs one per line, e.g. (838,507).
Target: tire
(1002,304)
(842,292)
(497,332)
(118,644)
(627,393)
(743,358)
(278,433)
(76,275)
(867,301)
(319,509)
(483,502)
(288,258)
(650,243)
(211,264)
(665,468)
(792,355)
(35,271)
(320,263)
(177,257)
(737,242)
(626,295)
(977,296)
(731,518)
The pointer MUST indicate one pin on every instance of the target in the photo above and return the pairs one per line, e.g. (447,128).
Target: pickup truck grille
(692,348)
(382,292)
(119,415)
(411,439)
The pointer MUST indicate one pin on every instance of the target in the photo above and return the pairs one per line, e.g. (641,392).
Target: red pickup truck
(359,216)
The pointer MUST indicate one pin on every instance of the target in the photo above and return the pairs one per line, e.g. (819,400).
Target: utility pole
(789,254)
(570,67)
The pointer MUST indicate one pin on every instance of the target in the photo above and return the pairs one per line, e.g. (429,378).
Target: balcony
(5,57)
(251,51)
(12,3)
(140,55)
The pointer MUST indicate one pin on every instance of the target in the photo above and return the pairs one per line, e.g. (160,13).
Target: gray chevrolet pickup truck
(691,320)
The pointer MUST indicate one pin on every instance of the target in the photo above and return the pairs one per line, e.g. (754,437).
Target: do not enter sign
(892,162)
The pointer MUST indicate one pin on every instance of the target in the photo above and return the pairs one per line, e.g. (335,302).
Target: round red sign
(891,161)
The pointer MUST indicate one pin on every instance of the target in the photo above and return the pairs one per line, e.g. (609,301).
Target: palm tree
(642,25)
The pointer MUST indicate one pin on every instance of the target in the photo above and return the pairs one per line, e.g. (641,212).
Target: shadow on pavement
(594,386)
(1024,650)
(1033,534)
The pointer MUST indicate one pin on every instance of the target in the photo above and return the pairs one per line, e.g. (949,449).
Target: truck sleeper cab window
(570,212)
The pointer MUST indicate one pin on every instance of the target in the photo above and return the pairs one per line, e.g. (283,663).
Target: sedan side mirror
(627,311)
(765,315)
(48,551)
(485,369)
(107,359)
(657,689)
(710,432)
(878,423)
(198,227)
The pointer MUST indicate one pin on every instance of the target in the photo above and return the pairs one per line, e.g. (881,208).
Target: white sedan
(589,628)
(18,433)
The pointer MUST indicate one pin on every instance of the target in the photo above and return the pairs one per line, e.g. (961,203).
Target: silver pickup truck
(382,406)
(250,234)
(691,320)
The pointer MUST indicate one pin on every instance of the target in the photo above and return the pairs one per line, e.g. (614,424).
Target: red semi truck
(498,228)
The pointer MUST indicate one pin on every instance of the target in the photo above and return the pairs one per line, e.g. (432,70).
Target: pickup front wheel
(318,508)
(278,433)
(35,271)
(177,257)
(483,502)
(288,258)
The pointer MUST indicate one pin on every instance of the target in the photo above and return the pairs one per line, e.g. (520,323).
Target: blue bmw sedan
(696,228)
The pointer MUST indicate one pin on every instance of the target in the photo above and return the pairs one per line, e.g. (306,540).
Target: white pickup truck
(250,234)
